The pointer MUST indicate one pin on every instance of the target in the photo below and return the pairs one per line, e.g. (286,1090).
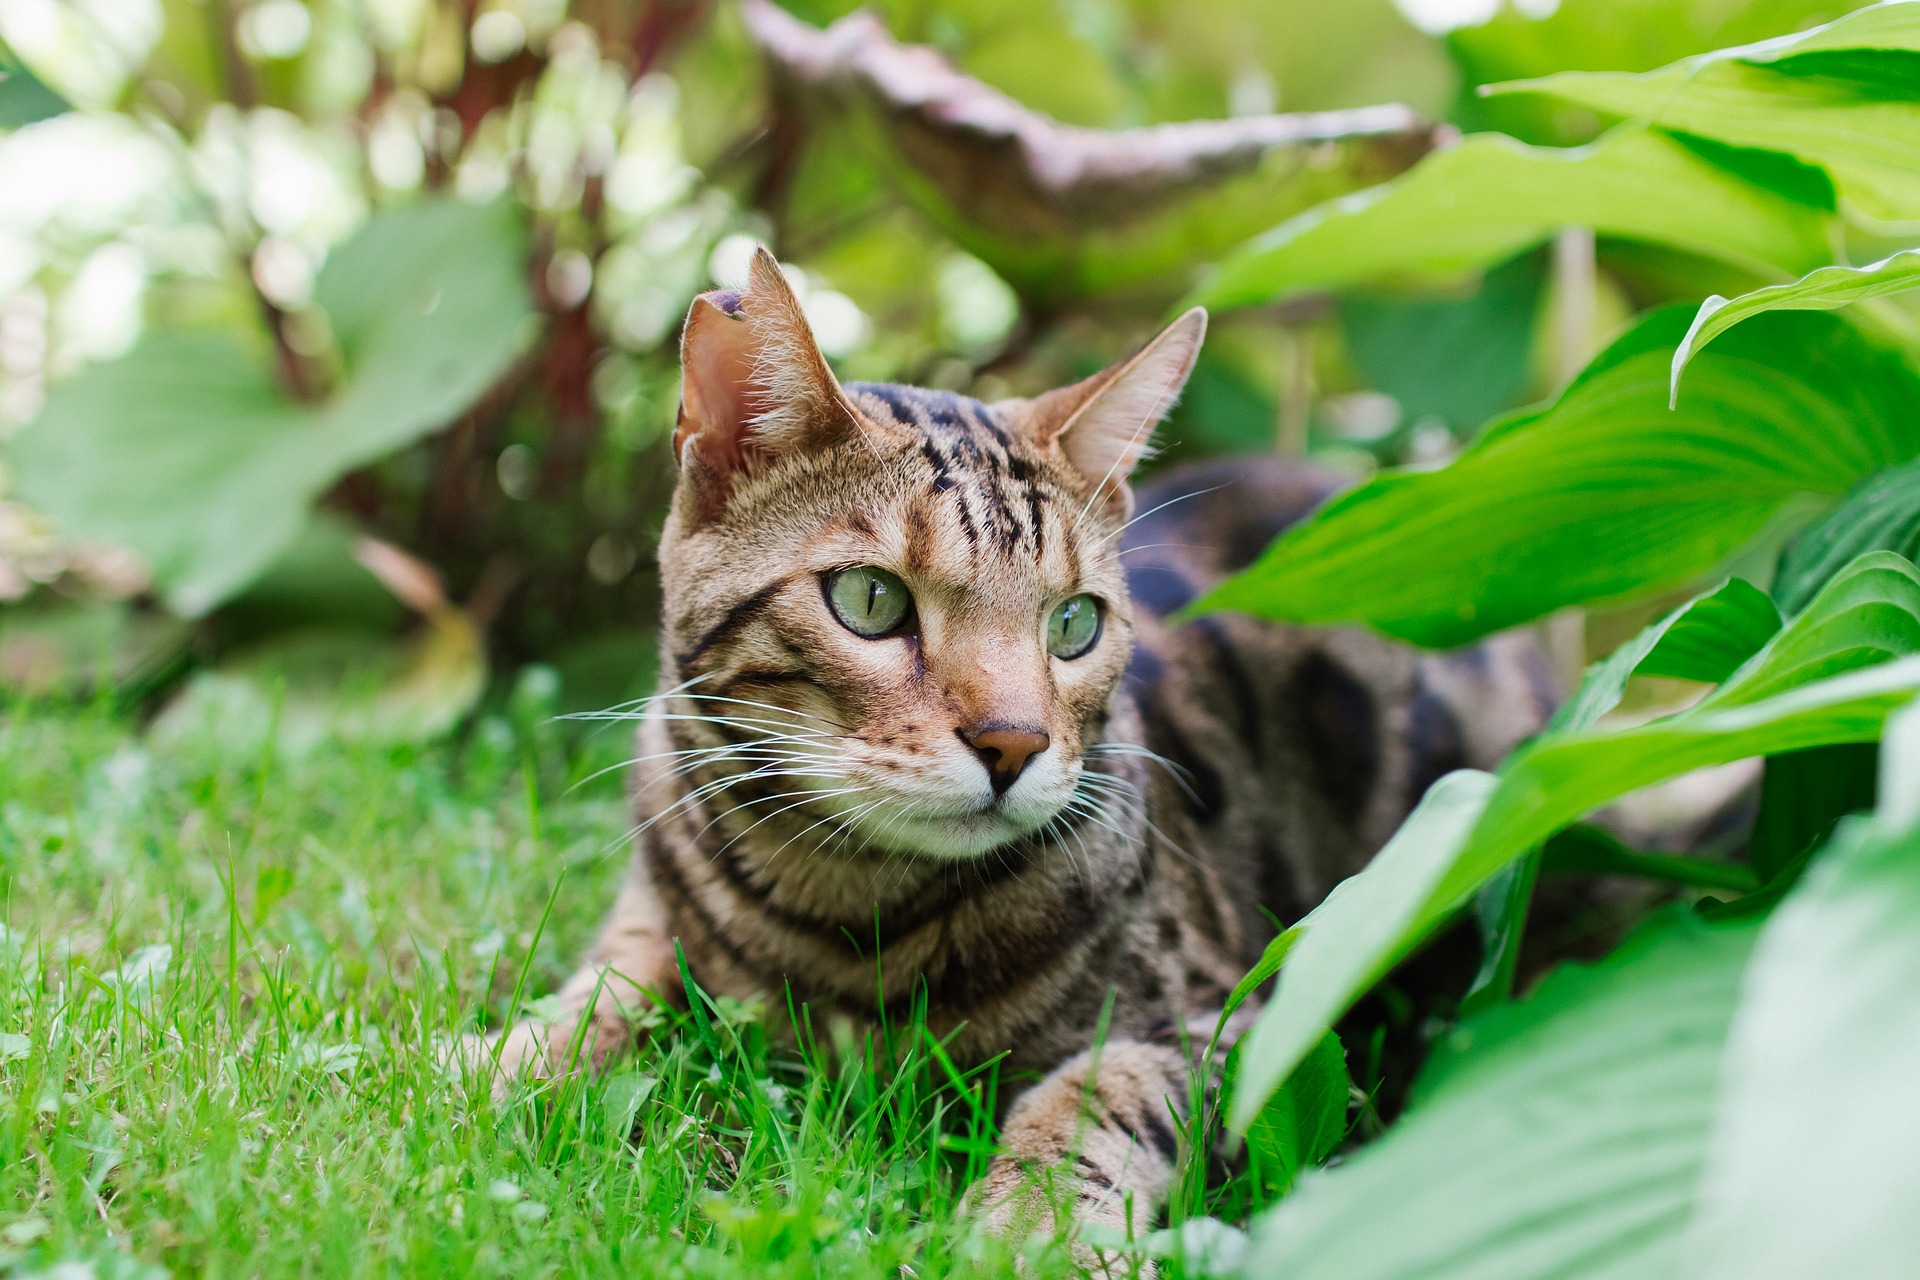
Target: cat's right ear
(753,385)
(716,387)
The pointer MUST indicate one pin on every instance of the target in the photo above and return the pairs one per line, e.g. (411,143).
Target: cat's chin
(956,837)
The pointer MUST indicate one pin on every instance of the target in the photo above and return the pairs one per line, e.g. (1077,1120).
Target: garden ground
(223,975)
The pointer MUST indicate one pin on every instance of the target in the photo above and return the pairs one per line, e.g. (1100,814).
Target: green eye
(869,602)
(1073,627)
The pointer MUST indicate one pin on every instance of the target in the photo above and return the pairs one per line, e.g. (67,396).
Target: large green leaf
(1472,824)
(1783,95)
(1587,849)
(1719,629)
(304,688)
(1882,513)
(1559,1136)
(186,451)
(1864,616)
(1874,30)
(1603,494)
(1602,35)
(1811,1168)
(1827,289)
(1489,197)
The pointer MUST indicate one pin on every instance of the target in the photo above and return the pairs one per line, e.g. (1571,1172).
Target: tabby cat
(923,729)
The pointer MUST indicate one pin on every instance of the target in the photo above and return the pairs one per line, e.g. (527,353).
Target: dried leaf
(1061,209)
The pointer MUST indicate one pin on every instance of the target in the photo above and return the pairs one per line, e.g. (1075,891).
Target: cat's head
(927,588)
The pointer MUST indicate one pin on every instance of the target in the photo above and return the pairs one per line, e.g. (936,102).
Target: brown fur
(814,819)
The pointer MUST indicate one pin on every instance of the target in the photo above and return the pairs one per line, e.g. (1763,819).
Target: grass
(223,975)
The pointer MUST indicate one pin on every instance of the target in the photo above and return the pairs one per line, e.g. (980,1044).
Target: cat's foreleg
(629,968)
(1097,1138)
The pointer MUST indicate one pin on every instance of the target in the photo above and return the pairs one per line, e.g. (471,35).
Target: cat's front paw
(1016,1205)
(523,1052)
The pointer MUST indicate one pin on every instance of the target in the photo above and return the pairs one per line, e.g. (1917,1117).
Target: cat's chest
(997,948)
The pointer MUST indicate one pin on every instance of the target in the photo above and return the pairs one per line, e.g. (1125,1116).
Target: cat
(924,732)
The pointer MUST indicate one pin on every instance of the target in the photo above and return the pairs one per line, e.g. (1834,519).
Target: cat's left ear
(1104,425)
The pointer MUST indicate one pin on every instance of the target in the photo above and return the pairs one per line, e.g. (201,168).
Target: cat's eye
(1073,626)
(869,602)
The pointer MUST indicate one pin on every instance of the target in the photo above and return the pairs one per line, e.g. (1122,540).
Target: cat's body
(967,807)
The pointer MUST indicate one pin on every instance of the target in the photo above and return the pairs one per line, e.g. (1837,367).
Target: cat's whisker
(807,797)
(1102,783)
(753,723)
(639,707)
(695,795)
(1095,796)
(748,751)
(1089,808)
(617,710)
(693,757)
(1138,811)
(721,813)
(1131,749)
(896,860)
(1079,837)
(1159,507)
(728,781)
(761,750)
(836,840)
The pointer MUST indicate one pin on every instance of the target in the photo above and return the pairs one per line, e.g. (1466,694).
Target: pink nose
(1005,750)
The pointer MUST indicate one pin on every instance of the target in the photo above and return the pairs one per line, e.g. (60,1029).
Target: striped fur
(812,817)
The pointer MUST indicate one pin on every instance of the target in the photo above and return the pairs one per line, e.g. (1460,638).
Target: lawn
(223,976)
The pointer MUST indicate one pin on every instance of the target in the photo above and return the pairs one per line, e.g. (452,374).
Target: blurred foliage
(186,450)
(213,220)
(23,99)
(213,224)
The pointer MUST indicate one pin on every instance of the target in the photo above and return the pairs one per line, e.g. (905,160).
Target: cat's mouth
(948,808)
(959,832)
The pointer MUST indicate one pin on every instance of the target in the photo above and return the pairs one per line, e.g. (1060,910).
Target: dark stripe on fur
(1245,697)
(1275,878)
(755,676)
(1204,793)
(942,476)
(736,617)
(1340,728)
(1434,742)
(1154,1131)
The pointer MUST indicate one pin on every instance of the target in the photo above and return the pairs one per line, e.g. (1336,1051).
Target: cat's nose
(1005,750)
